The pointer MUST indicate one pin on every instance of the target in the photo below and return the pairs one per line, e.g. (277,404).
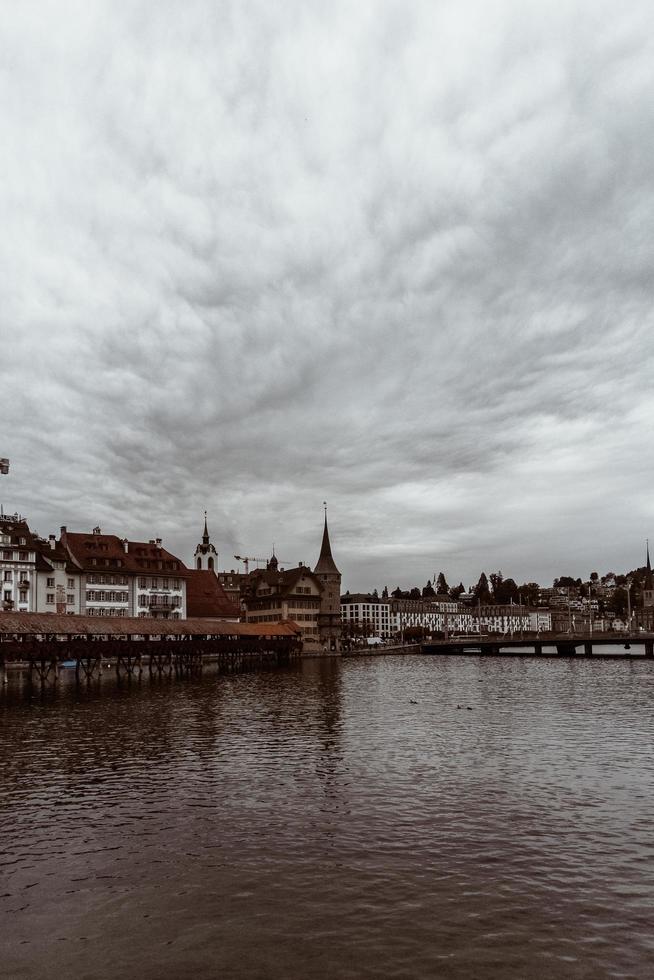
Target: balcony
(163,603)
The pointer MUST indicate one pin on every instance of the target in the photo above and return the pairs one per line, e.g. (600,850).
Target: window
(50,583)
(70,599)
(49,598)
(8,576)
(23,596)
(22,556)
(22,541)
(71,583)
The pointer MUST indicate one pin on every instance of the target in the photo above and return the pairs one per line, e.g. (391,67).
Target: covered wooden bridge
(43,642)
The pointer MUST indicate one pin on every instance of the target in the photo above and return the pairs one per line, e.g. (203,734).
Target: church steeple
(326,564)
(649,580)
(205,554)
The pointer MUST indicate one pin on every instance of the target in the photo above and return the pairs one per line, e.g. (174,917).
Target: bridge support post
(649,648)
(588,648)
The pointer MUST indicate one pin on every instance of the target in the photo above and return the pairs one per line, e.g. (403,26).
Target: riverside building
(309,598)
(127,578)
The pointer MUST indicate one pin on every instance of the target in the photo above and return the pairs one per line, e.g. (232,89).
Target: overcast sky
(395,256)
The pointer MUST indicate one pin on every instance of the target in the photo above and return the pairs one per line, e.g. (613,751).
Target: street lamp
(628,605)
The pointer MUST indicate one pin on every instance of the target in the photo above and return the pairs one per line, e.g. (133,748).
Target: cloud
(399,259)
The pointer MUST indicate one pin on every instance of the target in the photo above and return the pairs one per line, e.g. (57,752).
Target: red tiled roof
(109,547)
(52,623)
(205,596)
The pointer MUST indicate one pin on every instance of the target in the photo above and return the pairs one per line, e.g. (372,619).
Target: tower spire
(325,561)
(648,584)
(205,536)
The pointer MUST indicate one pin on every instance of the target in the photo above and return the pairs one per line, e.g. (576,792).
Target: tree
(565,582)
(594,577)
(385,592)
(529,593)
(510,592)
(397,593)
(481,592)
(428,591)
(617,602)
(415,593)
(442,588)
(375,594)
(457,591)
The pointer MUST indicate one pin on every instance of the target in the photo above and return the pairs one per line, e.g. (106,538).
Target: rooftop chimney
(158,542)
(62,534)
(97,530)
(52,540)
(126,546)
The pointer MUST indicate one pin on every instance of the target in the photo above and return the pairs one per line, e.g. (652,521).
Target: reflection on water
(315,822)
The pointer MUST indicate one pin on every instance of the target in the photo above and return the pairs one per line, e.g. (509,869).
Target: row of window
(106,612)
(174,602)
(96,579)
(6,539)
(50,598)
(15,556)
(159,583)
(21,576)
(94,595)
(71,583)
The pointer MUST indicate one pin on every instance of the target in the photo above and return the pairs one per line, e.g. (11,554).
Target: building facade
(309,598)
(273,594)
(127,578)
(18,562)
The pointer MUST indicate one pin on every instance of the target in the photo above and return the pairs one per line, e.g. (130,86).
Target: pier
(636,645)
(44,643)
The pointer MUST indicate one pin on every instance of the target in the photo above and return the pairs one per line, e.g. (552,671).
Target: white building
(128,578)
(18,551)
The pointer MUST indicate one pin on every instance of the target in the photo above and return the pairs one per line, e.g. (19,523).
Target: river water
(314,822)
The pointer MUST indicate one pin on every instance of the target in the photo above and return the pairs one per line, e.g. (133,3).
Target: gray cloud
(396,258)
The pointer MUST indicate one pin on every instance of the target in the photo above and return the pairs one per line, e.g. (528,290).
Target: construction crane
(259,561)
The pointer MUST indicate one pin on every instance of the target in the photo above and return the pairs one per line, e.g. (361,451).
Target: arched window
(199,563)
(210,564)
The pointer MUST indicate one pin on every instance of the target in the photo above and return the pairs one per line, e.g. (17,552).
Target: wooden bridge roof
(12,624)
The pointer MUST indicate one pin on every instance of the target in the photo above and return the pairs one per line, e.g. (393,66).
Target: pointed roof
(205,536)
(649,580)
(326,564)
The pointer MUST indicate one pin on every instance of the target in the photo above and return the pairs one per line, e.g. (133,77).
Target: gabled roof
(283,581)
(17,529)
(205,596)
(109,547)
(46,554)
